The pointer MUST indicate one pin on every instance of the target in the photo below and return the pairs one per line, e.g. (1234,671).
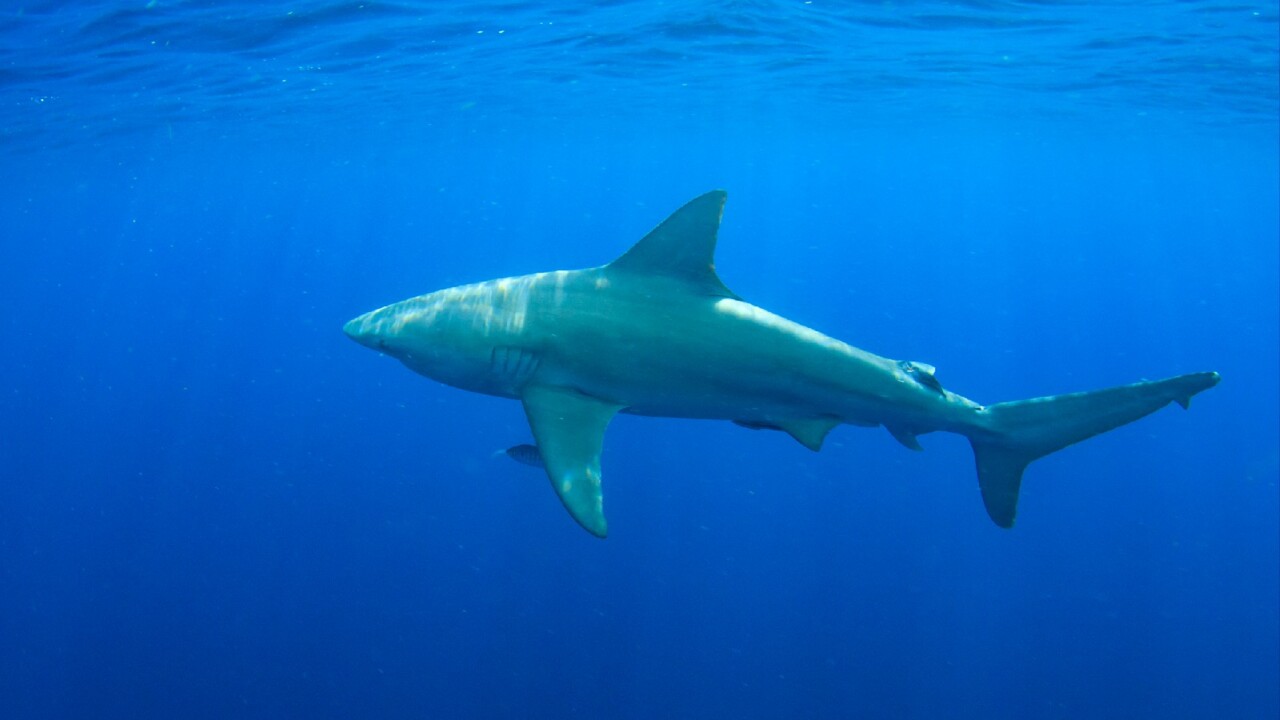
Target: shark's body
(657,333)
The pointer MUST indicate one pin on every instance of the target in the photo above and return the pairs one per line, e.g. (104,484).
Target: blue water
(215,505)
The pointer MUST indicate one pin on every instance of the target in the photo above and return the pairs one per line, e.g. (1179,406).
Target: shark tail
(1013,434)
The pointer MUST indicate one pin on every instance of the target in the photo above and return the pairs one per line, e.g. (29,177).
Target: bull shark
(656,333)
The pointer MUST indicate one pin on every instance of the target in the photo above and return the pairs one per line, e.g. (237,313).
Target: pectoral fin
(569,428)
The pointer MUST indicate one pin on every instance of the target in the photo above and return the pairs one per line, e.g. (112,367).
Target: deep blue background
(213,504)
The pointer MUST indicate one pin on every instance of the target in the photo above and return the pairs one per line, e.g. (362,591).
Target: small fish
(524,454)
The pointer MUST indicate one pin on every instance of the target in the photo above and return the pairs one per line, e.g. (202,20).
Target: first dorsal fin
(683,246)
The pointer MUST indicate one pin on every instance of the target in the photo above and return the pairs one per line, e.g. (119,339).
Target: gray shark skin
(657,333)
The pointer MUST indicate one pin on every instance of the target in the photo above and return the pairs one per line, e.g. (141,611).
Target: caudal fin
(1016,433)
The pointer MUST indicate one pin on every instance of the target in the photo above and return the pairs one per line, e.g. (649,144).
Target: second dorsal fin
(682,247)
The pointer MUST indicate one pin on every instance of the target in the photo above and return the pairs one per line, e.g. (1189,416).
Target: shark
(657,333)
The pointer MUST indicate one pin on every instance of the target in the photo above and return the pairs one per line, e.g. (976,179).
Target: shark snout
(364,330)
(353,327)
